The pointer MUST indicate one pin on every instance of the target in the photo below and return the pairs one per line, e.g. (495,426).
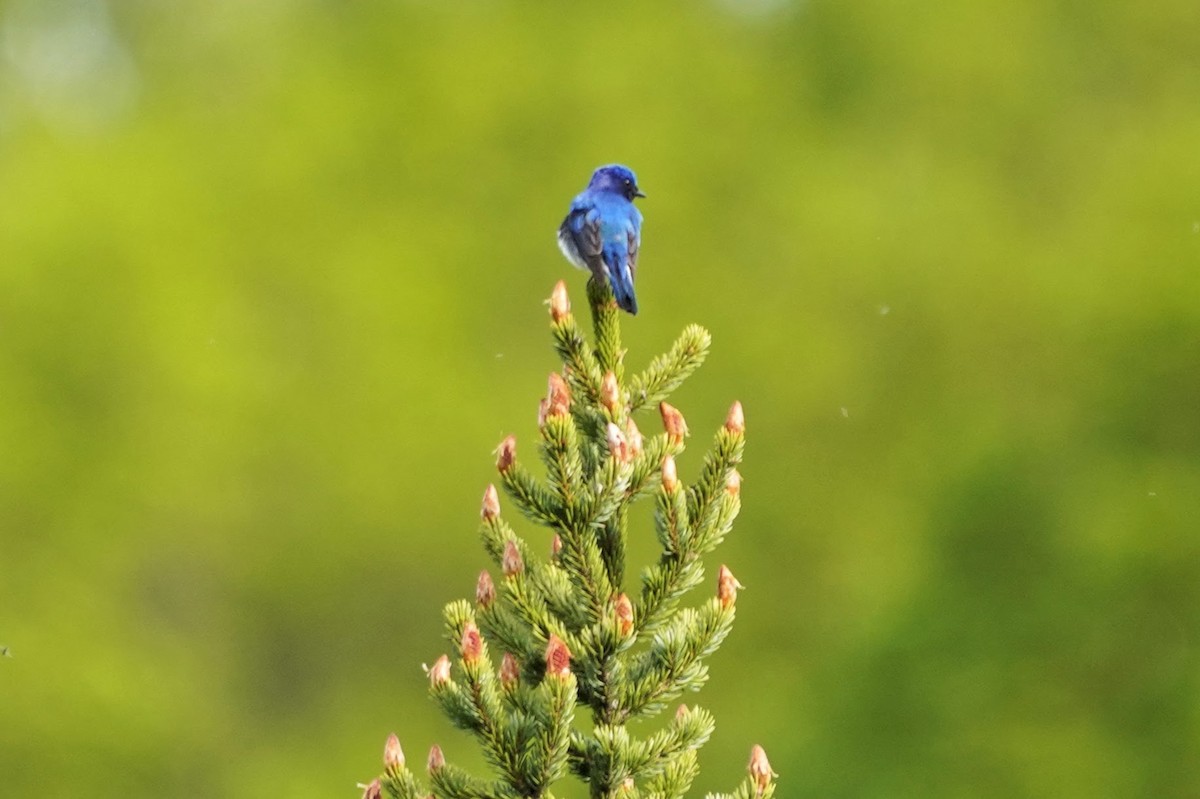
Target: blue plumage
(603,231)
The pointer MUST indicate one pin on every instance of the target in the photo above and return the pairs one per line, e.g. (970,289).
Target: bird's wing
(635,240)
(582,228)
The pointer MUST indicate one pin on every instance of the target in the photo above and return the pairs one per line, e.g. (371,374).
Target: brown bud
(491,504)
(506,454)
(393,755)
(624,610)
(558,658)
(543,412)
(727,586)
(735,422)
(634,437)
(511,561)
(617,444)
(373,790)
(472,643)
(555,545)
(558,397)
(760,769)
(485,590)
(439,674)
(436,760)
(610,392)
(560,304)
(733,483)
(510,671)
(670,479)
(673,422)
(681,712)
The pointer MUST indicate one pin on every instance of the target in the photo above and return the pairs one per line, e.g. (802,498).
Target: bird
(603,231)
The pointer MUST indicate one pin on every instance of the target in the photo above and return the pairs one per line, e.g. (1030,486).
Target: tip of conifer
(760,769)
(560,303)
(506,454)
(436,760)
(735,421)
(624,612)
(510,670)
(673,422)
(670,479)
(618,447)
(733,483)
(558,396)
(373,789)
(439,672)
(393,755)
(727,586)
(490,508)
(471,644)
(610,392)
(485,590)
(558,658)
(511,562)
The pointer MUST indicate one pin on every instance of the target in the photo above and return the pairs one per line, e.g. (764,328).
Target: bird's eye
(628,182)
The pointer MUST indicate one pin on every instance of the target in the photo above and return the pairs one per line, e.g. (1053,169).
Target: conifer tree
(557,635)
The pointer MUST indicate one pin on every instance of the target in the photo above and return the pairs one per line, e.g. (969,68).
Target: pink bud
(673,422)
(634,437)
(733,483)
(610,392)
(681,713)
(558,397)
(735,422)
(555,545)
(617,445)
(560,304)
(511,561)
(506,454)
(436,760)
(670,479)
(760,769)
(374,790)
(491,504)
(472,643)
(558,658)
(624,611)
(393,755)
(485,590)
(439,674)
(510,670)
(727,586)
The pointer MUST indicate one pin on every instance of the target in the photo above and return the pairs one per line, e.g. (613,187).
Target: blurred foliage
(270,292)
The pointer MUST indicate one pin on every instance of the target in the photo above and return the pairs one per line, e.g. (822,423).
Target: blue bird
(603,230)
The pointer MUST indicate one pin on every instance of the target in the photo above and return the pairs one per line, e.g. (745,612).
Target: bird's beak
(638,193)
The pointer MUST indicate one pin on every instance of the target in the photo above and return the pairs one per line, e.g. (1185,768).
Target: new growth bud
(634,437)
(510,671)
(670,479)
(511,561)
(374,790)
(727,587)
(506,455)
(760,769)
(556,545)
(610,392)
(558,396)
(617,445)
(485,590)
(491,504)
(673,422)
(393,756)
(560,303)
(439,674)
(681,712)
(624,611)
(733,483)
(558,658)
(543,412)
(436,760)
(472,643)
(735,422)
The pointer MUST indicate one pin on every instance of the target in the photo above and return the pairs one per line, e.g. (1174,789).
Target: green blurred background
(271,285)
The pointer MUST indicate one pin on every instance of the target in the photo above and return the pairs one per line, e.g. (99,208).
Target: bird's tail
(622,286)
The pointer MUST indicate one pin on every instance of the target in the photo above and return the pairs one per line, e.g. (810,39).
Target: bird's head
(618,179)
